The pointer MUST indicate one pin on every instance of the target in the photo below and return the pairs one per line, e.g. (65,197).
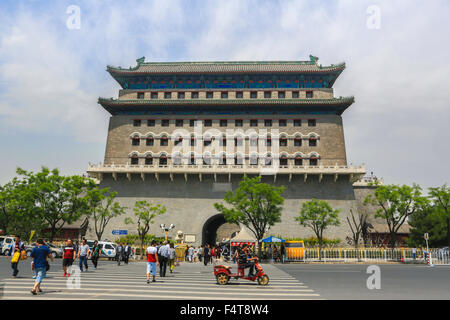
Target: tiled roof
(158,102)
(226,67)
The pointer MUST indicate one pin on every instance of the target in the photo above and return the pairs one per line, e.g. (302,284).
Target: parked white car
(108,248)
(7,244)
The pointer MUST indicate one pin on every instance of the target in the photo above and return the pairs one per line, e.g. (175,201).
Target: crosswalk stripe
(187,282)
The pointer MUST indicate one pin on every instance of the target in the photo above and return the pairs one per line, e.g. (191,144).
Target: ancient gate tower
(183,133)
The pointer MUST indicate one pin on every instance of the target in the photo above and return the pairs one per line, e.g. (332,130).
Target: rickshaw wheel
(222,278)
(263,280)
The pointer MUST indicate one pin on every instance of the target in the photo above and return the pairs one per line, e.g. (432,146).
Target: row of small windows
(224,95)
(283,141)
(224,122)
(177,160)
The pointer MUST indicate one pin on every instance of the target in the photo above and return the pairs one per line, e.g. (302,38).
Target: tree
(318,215)
(441,200)
(145,212)
(57,199)
(356,225)
(256,205)
(428,219)
(396,204)
(103,208)
(18,214)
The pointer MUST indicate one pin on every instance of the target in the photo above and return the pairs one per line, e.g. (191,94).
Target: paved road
(397,281)
(109,281)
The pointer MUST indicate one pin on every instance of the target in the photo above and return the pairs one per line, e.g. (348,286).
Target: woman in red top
(152,261)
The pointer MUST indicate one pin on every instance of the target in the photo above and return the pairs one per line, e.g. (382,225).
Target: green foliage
(18,214)
(255,204)
(145,212)
(133,239)
(318,215)
(427,220)
(440,197)
(57,199)
(102,207)
(396,204)
(314,241)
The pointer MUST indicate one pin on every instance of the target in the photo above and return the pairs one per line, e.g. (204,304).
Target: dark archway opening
(209,232)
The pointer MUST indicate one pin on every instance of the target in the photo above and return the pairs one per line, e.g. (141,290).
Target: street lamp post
(167,229)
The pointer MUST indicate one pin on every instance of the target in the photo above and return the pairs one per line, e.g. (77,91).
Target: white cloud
(50,78)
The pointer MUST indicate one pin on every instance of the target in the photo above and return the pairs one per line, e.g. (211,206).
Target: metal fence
(407,255)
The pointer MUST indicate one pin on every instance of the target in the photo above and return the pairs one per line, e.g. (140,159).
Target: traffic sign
(120,232)
(426,236)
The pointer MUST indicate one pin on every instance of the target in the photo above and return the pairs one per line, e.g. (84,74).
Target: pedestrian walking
(200,253)
(164,253)
(172,256)
(95,254)
(83,253)
(40,254)
(119,253)
(152,261)
(15,255)
(206,253)
(191,254)
(126,253)
(69,254)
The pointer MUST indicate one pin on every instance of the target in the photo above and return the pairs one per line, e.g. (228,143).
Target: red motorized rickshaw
(223,274)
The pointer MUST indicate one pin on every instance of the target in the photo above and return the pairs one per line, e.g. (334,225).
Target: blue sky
(51,76)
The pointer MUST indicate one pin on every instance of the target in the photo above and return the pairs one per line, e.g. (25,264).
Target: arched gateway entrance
(217,228)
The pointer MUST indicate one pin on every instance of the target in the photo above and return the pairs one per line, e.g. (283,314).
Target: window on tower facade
(149,142)
(282,122)
(223,123)
(253,123)
(239,95)
(164,141)
(167,95)
(178,141)
(267,94)
(297,123)
(283,161)
(281,95)
(208,123)
(267,123)
(179,122)
(140,95)
(309,94)
(149,160)
(154,95)
(283,142)
(253,95)
(134,160)
(311,122)
(297,142)
(207,142)
(209,95)
(194,95)
(135,141)
(313,162)
(312,142)
(298,161)
(191,123)
(136,123)
(224,95)
(150,122)
(268,142)
(295,95)
(165,122)
(180,95)
(163,161)
(238,123)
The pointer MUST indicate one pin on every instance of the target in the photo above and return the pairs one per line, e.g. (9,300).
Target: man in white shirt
(83,253)
(164,253)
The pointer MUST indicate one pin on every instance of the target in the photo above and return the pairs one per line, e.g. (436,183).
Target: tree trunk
(448,232)
(142,248)
(320,249)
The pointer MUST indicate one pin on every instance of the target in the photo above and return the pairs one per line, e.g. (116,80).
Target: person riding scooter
(245,261)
